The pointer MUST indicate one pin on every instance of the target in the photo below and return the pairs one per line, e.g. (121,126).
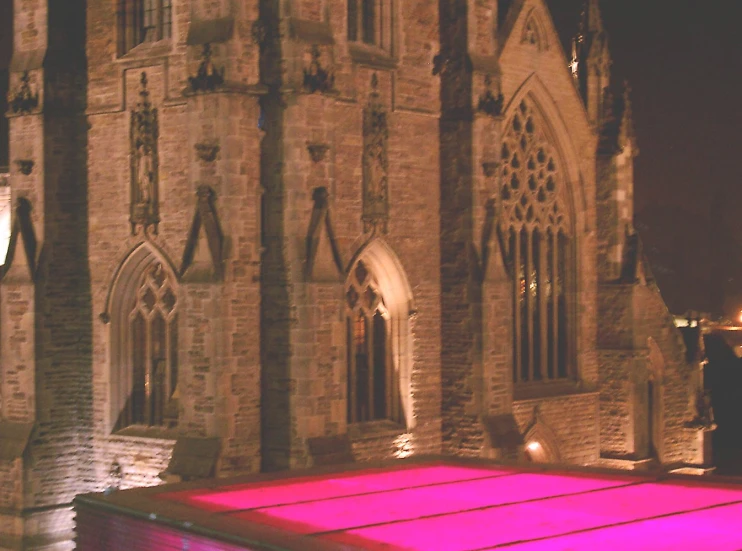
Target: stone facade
(256,156)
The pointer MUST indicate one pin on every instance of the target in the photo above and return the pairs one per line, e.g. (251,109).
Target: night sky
(684,62)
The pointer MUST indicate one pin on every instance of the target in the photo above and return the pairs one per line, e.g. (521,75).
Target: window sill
(160,48)
(548,389)
(142,431)
(375,429)
(371,56)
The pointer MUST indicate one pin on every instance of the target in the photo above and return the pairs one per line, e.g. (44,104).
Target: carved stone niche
(316,77)
(317,151)
(207,151)
(375,162)
(489,103)
(144,135)
(25,100)
(208,77)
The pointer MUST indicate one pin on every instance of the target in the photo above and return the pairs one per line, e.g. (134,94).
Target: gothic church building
(271,234)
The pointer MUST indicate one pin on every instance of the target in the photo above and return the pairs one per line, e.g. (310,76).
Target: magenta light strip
(540,519)
(716,529)
(279,493)
(406,504)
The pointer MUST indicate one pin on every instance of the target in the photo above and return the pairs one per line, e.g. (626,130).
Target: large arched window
(142,21)
(535,226)
(144,358)
(370,384)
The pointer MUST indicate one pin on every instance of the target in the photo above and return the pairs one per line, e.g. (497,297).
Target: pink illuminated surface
(457,508)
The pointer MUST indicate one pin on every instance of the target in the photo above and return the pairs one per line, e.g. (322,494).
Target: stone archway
(540,442)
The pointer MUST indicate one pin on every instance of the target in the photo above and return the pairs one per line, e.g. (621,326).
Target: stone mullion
(352,398)
(370,365)
(168,360)
(129,373)
(516,307)
(391,386)
(529,302)
(148,369)
(542,309)
(555,302)
(567,258)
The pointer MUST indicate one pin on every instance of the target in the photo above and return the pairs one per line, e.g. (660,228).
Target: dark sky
(683,59)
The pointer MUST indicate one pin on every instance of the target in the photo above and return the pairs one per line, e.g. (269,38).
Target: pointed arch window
(538,248)
(145,356)
(370,384)
(141,21)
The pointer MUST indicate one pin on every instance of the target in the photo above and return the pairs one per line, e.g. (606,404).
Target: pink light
(541,519)
(281,492)
(716,529)
(411,503)
(459,508)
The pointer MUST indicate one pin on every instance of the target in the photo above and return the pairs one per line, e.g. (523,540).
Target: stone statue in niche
(375,162)
(144,175)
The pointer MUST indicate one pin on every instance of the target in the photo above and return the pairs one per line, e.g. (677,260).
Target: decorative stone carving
(208,77)
(375,162)
(25,100)
(144,134)
(207,152)
(317,151)
(25,166)
(490,168)
(23,248)
(317,78)
(115,475)
(704,414)
(258,32)
(488,102)
(321,220)
(210,241)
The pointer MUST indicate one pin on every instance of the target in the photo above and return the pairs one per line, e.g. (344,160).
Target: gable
(540,70)
(529,44)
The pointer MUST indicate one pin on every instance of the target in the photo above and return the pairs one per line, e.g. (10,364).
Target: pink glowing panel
(317,488)
(406,504)
(714,529)
(539,519)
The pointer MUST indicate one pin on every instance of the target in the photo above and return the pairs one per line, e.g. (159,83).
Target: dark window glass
(538,246)
(353,20)
(153,337)
(143,21)
(380,371)
(369,21)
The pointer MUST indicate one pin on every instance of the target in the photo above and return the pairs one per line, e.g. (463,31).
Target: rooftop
(414,505)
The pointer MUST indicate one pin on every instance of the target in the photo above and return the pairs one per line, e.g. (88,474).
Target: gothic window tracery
(152,338)
(369,376)
(142,21)
(537,243)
